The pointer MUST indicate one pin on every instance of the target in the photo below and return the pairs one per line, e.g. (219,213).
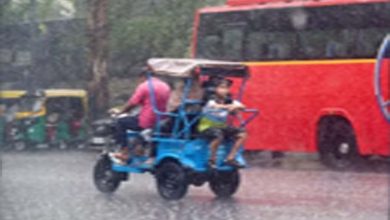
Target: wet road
(55,185)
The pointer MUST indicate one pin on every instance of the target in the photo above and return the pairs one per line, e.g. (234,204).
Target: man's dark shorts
(226,133)
(124,124)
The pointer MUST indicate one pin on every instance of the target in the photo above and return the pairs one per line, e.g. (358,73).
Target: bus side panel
(291,98)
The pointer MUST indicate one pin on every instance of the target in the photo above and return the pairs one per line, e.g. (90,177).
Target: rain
(183,109)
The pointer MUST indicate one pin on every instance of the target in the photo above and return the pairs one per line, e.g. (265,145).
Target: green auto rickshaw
(22,119)
(9,101)
(47,118)
(66,117)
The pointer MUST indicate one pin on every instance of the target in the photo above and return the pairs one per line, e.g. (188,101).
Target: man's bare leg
(122,155)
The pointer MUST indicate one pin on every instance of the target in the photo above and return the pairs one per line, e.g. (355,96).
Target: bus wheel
(337,145)
(171,178)
(224,183)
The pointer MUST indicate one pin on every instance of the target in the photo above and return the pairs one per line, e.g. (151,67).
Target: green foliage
(139,29)
(22,11)
(146,28)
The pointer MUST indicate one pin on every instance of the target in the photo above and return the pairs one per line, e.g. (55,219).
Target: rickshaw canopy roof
(184,67)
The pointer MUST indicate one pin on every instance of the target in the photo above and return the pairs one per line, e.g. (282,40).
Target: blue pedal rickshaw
(181,155)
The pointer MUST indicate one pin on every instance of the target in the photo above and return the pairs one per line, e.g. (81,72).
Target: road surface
(57,185)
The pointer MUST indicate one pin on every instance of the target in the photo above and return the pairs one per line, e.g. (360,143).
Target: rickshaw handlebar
(255,113)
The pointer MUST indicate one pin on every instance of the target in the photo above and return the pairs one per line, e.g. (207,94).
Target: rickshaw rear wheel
(171,179)
(224,183)
(106,180)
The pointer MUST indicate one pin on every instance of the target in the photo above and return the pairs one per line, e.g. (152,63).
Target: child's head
(222,88)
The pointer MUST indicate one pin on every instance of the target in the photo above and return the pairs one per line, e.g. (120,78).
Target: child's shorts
(229,133)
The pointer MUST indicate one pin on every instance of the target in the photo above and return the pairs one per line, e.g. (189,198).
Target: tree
(141,29)
(97,33)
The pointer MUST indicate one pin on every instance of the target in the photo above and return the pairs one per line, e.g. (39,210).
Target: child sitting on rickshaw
(213,125)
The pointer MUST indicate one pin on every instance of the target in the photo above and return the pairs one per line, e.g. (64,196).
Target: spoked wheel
(106,180)
(225,183)
(337,146)
(171,181)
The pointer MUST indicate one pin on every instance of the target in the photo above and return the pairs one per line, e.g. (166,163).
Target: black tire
(171,179)
(106,180)
(224,183)
(337,146)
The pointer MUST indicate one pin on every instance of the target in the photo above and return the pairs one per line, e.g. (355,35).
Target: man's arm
(136,99)
(128,107)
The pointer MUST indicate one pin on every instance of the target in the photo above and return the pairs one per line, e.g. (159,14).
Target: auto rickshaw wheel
(224,183)
(62,145)
(106,180)
(19,145)
(171,179)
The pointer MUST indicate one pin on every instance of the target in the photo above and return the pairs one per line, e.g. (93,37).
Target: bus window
(270,45)
(312,43)
(368,41)
(221,36)
(232,43)
(318,44)
(331,32)
(256,47)
(212,46)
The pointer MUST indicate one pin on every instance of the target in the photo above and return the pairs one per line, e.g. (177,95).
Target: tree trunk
(97,55)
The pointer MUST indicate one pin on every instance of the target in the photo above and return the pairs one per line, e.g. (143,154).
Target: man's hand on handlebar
(114,112)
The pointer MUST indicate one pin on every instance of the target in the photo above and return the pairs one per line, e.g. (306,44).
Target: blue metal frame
(377,78)
(191,153)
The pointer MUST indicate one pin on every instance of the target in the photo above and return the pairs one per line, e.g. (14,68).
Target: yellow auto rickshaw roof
(65,92)
(10,94)
(48,93)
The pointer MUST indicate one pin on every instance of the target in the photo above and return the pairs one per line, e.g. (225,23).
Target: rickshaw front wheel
(106,180)
(171,179)
(224,183)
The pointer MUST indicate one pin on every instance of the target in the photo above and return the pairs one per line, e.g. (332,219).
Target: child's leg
(241,137)
(215,135)
(214,147)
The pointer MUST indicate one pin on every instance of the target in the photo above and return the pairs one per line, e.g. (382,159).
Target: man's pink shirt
(141,96)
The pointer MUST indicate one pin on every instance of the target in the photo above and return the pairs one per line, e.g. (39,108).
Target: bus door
(382,78)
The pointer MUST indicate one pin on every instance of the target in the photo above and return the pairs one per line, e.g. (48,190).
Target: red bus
(312,66)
